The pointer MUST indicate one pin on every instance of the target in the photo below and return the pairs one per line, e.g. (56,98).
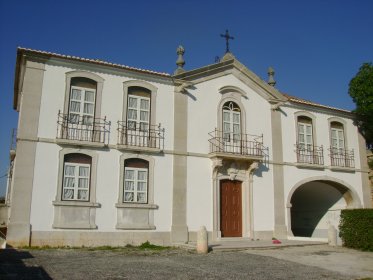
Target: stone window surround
(153,97)
(344,125)
(92,196)
(236,98)
(83,74)
(313,119)
(150,199)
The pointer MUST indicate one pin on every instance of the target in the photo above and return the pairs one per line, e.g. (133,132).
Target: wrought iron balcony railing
(342,157)
(310,154)
(239,144)
(140,135)
(83,128)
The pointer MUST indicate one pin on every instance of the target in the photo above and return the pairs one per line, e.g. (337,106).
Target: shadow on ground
(13,267)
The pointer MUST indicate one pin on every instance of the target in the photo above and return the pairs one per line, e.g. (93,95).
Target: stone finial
(271,74)
(180,60)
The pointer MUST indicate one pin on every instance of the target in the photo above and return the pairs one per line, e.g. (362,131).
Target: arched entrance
(316,204)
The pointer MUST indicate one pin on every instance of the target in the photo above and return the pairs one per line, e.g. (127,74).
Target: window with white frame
(76,177)
(337,136)
(231,127)
(138,109)
(82,105)
(135,187)
(305,138)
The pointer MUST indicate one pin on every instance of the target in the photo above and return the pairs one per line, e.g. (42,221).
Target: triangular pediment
(230,65)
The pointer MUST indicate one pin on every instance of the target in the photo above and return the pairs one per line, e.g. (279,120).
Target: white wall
(203,112)
(53,97)
(107,189)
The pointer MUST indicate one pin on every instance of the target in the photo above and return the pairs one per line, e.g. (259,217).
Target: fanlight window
(231,122)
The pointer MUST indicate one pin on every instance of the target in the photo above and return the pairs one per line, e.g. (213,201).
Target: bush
(356,228)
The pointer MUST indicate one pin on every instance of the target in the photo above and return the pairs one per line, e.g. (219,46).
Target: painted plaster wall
(199,194)
(53,97)
(107,189)
(203,112)
(202,119)
(263,199)
(321,134)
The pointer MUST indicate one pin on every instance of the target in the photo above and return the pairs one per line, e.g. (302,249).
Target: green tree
(361,91)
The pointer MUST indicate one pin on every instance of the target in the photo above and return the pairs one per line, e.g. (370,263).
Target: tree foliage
(361,91)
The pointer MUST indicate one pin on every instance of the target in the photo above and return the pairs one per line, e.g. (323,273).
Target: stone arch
(313,204)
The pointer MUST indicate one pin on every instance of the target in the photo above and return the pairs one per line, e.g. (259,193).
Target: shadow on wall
(315,205)
(13,267)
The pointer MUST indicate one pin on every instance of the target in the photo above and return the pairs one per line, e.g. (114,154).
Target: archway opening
(316,205)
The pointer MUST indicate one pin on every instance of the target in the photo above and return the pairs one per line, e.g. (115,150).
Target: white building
(109,155)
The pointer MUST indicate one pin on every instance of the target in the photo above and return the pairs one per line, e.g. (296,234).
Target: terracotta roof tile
(95,61)
(311,103)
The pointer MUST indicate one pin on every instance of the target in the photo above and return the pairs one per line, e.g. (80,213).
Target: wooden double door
(231,208)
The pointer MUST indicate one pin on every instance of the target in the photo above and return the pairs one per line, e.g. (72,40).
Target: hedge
(356,228)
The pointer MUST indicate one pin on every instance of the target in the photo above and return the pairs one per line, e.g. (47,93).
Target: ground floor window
(76,177)
(135,181)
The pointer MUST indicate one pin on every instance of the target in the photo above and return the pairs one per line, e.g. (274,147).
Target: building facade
(112,155)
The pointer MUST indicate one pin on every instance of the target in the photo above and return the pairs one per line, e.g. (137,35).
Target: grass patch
(146,246)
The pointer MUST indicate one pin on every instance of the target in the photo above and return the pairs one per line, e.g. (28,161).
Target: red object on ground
(275,241)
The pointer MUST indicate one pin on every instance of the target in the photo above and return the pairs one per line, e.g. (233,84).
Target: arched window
(82,101)
(138,108)
(231,123)
(305,131)
(76,177)
(337,136)
(136,177)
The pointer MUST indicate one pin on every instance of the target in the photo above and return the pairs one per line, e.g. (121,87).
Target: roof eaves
(310,103)
(93,61)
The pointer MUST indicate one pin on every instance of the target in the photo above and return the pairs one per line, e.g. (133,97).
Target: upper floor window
(76,177)
(135,187)
(307,151)
(231,122)
(82,101)
(337,136)
(138,108)
(305,135)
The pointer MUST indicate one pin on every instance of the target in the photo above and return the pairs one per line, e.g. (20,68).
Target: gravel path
(137,264)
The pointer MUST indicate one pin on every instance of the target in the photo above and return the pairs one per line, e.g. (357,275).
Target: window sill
(309,166)
(136,205)
(77,204)
(147,227)
(234,156)
(69,142)
(138,149)
(342,169)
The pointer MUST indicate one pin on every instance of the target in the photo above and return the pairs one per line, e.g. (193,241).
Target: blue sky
(315,47)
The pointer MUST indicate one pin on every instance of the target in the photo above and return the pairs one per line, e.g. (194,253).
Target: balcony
(310,155)
(245,146)
(82,130)
(140,136)
(342,158)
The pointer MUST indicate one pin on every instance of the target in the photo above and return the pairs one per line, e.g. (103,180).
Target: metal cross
(227,37)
